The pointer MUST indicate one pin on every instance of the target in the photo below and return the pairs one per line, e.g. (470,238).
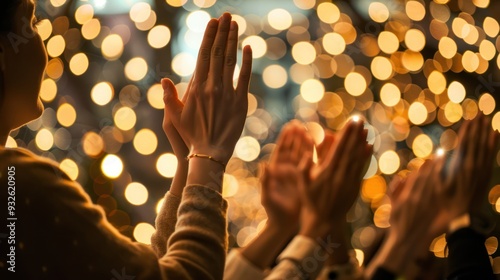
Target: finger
(482,146)
(186,94)
(284,144)
(396,187)
(203,62)
(173,106)
(459,152)
(230,60)
(219,49)
(333,158)
(298,141)
(324,147)
(352,148)
(245,73)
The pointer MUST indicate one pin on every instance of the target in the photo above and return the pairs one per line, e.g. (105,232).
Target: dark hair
(7,12)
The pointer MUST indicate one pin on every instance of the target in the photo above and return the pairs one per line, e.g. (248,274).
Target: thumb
(173,106)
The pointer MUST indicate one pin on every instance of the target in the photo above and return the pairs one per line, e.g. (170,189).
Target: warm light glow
(388,42)
(328,12)
(417,113)
(176,3)
(495,122)
(304,53)
(136,69)
(44,139)
(381,67)
(143,233)
(78,64)
(159,36)
(436,82)
(447,47)
(279,19)
(456,92)
(44,28)
(491,27)
(112,47)
(155,96)
(312,90)
(453,112)
(102,93)
(422,146)
(70,168)
(197,21)
(84,13)
(487,103)
(136,193)
(140,12)
(378,12)
(66,115)
(247,148)
(274,76)
(258,44)
(93,144)
(57,3)
(125,118)
(56,46)
(470,61)
(145,141)
(334,43)
(390,94)
(415,40)
(48,90)
(415,10)
(355,84)
(183,64)
(166,165)
(91,29)
(204,3)
(487,50)
(388,162)
(112,166)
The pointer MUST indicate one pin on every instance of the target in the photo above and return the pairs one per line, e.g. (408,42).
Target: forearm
(198,247)
(264,248)
(179,180)
(467,256)
(394,256)
(338,236)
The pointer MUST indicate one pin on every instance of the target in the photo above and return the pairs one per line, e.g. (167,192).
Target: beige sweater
(60,234)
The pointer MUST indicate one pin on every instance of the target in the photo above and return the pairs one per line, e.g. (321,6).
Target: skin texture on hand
(211,119)
(330,188)
(463,183)
(428,200)
(280,195)
(179,148)
(413,210)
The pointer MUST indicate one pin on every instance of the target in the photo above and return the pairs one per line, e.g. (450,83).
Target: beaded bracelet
(207,157)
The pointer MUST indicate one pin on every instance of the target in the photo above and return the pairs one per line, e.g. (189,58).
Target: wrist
(203,171)
(217,154)
(396,254)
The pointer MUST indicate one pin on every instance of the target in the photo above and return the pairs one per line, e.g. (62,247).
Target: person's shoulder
(29,166)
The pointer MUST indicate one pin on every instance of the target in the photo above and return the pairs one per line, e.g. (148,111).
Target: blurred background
(413,69)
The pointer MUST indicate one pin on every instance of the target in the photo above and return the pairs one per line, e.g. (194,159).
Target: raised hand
(280,192)
(330,188)
(211,120)
(462,184)
(179,148)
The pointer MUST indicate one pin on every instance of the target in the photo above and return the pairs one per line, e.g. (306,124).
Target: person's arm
(61,234)
(325,199)
(280,195)
(467,255)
